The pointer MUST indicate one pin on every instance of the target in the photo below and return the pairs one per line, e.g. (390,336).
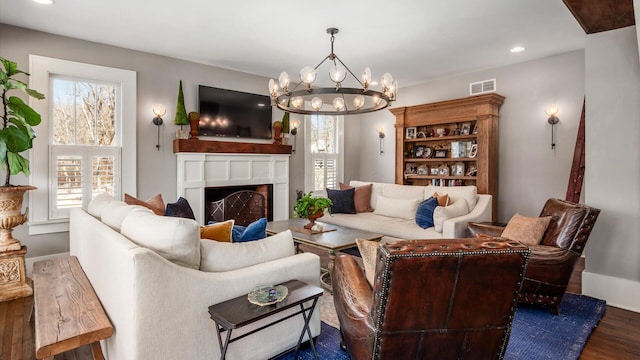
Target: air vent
(482,87)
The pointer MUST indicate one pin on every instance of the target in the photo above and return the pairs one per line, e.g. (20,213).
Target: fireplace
(244,204)
(198,172)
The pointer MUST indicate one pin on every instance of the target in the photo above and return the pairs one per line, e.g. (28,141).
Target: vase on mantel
(194,124)
(12,268)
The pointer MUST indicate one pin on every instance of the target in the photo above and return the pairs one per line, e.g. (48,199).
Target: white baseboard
(28,262)
(618,292)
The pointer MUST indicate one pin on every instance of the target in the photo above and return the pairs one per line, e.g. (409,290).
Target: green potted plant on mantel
(16,136)
(311,208)
(181,115)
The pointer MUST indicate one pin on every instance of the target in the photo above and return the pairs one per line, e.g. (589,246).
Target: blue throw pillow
(180,208)
(255,231)
(342,201)
(424,214)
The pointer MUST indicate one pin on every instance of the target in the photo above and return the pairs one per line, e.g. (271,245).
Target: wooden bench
(67,310)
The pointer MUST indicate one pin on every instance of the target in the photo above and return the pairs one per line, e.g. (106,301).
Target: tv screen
(234,114)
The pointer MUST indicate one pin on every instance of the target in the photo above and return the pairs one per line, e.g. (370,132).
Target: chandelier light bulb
(284,81)
(337,74)
(387,81)
(316,103)
(376,100)
(338,103)
(358,102)
(296,102)
(159,110)
(366,76)
(307,75)
(273,88)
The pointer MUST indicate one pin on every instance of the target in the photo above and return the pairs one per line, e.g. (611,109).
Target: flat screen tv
(232,113)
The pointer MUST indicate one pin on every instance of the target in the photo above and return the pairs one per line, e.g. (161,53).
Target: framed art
(434,171)
(411,132)
(457,169)
(419,151)
(428,152)
(466,129)
(440,153)
(443,170)
(423,170)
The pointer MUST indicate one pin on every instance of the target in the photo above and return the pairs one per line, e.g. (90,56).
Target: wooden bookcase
(438,129)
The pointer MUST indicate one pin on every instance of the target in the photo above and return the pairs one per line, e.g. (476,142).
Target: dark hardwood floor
(616,337)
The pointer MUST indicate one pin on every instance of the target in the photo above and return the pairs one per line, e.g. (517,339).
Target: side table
(239,312)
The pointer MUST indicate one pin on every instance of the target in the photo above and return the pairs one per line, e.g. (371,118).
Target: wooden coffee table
(332,241)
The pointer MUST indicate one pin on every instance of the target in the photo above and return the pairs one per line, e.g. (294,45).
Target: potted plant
(181,115)
(312,208)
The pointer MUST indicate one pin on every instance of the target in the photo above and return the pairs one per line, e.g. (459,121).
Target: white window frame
(309,157)
(41,69)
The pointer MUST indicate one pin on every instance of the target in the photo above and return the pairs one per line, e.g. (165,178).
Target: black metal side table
(239,312)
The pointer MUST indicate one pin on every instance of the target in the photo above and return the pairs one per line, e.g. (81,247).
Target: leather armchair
(552,261)
(433,299)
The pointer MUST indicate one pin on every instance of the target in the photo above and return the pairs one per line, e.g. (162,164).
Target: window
(324,152)
(88,117)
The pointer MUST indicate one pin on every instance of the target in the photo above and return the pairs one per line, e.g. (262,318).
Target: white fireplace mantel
(197,171)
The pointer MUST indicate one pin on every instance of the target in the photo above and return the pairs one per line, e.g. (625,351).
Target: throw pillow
(424,213)
(442,213)
(180,208)
(342,201)
(443,200)
(369,251)
(220,231)
(255,231)
(398,208)
(222,256)
(155,203)
(527,230)
(361,197)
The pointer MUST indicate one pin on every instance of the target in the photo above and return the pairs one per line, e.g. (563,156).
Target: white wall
(613,171)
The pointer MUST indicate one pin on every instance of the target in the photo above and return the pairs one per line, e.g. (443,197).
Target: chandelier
(339,100)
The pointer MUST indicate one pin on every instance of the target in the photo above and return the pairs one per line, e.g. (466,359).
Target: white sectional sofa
(479,209)
(147,271)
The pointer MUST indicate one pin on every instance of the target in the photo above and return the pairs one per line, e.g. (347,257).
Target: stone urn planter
(313,216)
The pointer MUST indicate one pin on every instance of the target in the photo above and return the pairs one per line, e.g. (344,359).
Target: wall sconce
(381,136)
(552,111)
(158,110)
(294,131)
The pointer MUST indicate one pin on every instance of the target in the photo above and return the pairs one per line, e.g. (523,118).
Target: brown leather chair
(433,299)
(551,263)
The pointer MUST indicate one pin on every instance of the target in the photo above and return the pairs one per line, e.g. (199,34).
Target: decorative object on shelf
(440,153)
(474,151)
(381,136)
(423,170)
(428,152)
(432,133)
(552,112)
(411,132)
(419,151)
(434,171)
(458,169)
(181,115)
(475,128)
(345,100)
(295,124)
(456,131)
(16,136)
(194,124)
(277,132)
(421,135)
(268,295)
(466,129)
(158,110)
(311,208)
(443,170)
(473,171)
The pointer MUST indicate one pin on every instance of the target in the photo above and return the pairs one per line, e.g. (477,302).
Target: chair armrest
(488,229)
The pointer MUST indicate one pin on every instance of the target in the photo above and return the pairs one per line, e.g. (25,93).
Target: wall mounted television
(229,113)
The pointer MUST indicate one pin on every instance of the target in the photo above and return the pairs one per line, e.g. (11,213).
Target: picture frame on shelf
(466,129)
(411,132)
(434,171)
(423,170)
(457,169)
(440,153)
(443,170)
(474,151)
(419,151)
(428,152)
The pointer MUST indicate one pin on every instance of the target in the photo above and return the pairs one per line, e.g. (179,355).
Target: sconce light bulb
(552,110)
(159,110)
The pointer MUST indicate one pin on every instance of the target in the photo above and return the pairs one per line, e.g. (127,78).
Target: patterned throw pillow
(527,230)
(255,231)
(424,214)
(155,203)
(180,208)
(220,231)
(368,250)
(342,201)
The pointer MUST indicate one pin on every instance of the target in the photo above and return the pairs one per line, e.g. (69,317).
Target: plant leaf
(15,139)
(20,108)
(34,94)
(19,122)
(3,152)
(18,164)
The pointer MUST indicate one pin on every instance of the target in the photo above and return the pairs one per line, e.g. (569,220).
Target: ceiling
(414,40)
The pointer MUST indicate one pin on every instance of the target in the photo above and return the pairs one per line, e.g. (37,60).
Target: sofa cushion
(407,192)
(383,225)
(468,193)
(400,208)
(442,213)
(96,206)
(180,208)
(342,201)
(175,239)
(527,230)
(361,197)
(218,231)
(368,250)
(116,211)
(255,231)
(221,256)
(424,213)
(155,203)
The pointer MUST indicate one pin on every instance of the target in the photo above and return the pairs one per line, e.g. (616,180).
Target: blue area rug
(536,333)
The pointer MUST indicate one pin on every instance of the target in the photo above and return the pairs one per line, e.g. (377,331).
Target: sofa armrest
(488,229)
(456,228)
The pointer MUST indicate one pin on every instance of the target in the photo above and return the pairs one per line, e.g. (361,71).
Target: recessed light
(517,49)
(44,2)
